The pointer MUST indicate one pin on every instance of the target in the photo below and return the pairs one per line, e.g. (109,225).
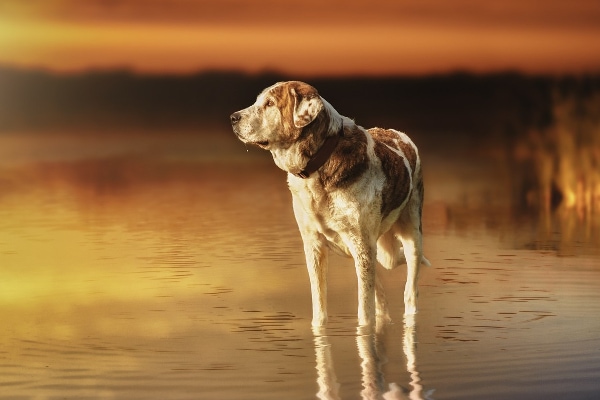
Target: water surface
(170,266)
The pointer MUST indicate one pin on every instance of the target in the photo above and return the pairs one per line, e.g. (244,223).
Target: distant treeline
(479,105)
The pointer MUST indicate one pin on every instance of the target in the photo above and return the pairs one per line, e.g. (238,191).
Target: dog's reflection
(326,378)
(372,355)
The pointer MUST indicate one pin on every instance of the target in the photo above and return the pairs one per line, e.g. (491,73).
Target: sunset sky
(311,37)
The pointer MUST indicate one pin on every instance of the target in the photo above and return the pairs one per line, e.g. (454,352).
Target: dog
(356,191)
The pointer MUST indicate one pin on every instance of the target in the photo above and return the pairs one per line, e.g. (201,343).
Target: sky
(308,37)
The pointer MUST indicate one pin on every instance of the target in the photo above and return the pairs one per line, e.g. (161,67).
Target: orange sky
(308,37)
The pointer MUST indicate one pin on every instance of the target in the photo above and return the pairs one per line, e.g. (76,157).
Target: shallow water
(140,267)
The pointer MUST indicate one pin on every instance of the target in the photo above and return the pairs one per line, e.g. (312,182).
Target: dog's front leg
(364,260)
(316,263)
(315,251)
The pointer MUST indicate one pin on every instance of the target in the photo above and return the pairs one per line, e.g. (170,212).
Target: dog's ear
(307,106)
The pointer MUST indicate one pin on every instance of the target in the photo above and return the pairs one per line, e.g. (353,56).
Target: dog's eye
(269,103)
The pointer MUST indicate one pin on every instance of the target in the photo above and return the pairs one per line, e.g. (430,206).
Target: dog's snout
(235,117)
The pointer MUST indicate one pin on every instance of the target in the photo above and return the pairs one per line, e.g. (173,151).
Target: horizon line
(267,71)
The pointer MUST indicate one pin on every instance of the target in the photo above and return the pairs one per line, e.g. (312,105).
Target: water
(152,267)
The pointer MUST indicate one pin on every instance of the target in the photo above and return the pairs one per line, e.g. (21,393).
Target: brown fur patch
(397,179)
(421,191)
(285,103)
(348,162)
(392,139)
(311,135)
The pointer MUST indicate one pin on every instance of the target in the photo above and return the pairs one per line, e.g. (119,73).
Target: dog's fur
(365,201)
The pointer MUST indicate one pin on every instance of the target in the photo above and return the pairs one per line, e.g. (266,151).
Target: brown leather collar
(322,155)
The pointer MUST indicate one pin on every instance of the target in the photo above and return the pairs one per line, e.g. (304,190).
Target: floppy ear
(307,105)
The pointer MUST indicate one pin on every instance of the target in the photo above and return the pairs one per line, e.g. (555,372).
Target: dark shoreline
(458,103)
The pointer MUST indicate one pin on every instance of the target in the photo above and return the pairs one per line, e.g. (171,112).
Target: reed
(565,155)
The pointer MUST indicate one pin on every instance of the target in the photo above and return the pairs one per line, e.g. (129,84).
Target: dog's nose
(235,118)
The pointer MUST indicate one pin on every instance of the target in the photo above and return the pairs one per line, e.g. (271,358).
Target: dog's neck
(314,145)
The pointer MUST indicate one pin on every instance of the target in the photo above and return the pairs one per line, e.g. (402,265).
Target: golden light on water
(81,242)
(142,271)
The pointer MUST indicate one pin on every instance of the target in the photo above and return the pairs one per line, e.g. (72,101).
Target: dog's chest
(331,214)
(315,202)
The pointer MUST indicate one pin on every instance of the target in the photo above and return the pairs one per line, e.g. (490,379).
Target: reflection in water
(409,347)
(326,378)
(373,356)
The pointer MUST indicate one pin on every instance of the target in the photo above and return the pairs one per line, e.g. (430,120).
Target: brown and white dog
(354,190)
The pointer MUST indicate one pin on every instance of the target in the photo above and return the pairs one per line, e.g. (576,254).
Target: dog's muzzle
(235,118)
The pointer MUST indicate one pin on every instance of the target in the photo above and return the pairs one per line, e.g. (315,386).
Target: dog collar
(322,155)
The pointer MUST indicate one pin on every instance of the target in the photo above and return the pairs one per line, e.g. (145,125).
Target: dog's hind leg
(409,228)
(390,252)
(411,240)
(387,253)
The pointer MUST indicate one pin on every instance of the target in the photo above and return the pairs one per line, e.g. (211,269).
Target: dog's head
(278,116)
